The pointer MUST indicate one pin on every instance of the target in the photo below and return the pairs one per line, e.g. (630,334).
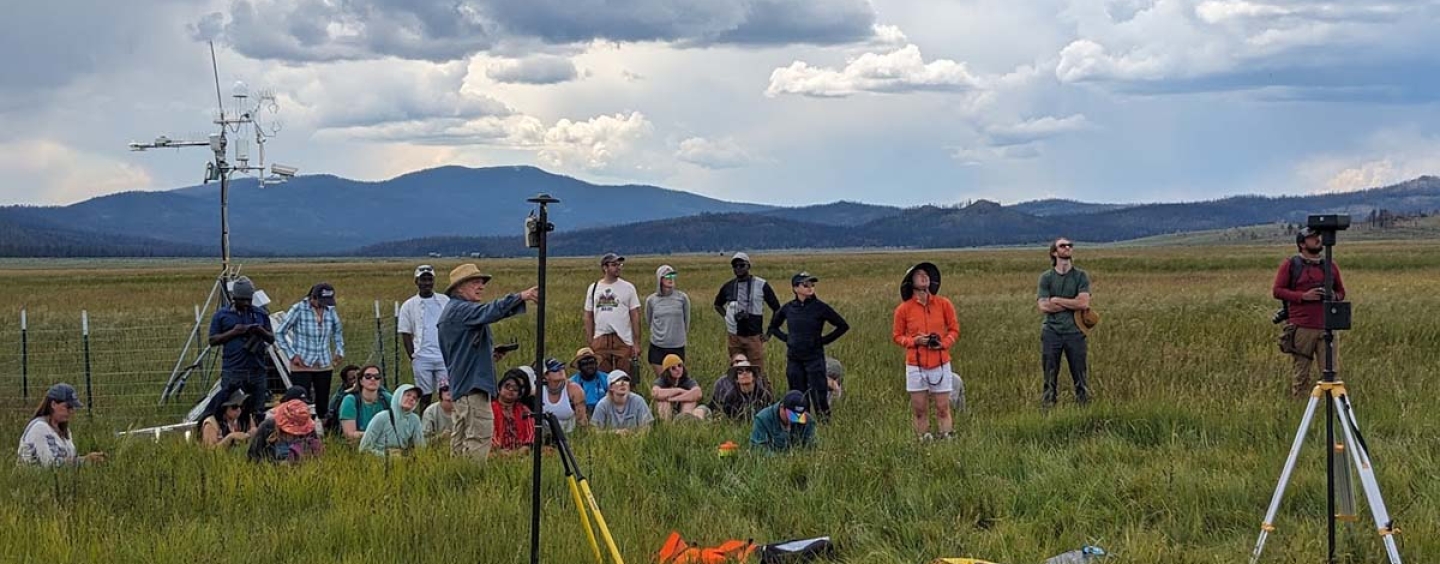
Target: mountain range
(459,211)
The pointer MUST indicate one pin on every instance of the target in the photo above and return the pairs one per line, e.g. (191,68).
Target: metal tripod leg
(1361,457)
(1268,525)
(177,375)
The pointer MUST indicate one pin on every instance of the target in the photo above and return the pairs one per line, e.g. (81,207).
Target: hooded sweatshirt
(405,432)
(668,315)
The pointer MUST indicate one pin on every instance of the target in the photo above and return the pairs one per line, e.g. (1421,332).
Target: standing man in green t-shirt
(1063,291)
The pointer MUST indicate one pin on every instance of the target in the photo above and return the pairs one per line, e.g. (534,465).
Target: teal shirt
(1069,285)
(367,410)
(770,435)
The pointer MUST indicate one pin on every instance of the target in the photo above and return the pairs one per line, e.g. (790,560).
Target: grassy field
(1174,462)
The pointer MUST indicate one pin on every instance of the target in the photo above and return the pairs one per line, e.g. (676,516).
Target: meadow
(1173,462)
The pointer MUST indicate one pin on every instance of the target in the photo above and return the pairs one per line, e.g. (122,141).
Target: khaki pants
(753,349)
(474,427)
(1309,349)
(613,353)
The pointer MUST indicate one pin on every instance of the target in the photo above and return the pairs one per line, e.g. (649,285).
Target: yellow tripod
(584,499)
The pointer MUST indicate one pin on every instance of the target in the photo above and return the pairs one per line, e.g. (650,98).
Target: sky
(790,102)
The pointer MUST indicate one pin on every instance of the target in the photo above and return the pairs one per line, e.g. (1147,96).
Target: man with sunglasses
(419,319)
(1063,290)
(806,316)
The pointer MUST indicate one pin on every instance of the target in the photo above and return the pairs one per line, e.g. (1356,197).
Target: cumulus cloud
(714,154)
(49,172)
(1032,130)
(1386,157)
(902,70)
(599,144)
(1208,45)
(443,30)
(364,93)
(540,69)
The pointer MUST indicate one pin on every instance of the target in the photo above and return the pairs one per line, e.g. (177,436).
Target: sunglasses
(1066,245)
(373,377)
(511,386)
(671,276)
(744,370)
(807,284)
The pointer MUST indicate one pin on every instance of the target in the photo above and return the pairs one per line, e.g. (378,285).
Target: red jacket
(912,319)
(512,430)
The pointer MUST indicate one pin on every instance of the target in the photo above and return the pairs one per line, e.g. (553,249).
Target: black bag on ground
(803,550)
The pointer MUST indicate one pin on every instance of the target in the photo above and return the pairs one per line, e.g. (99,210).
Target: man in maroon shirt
(1304,299)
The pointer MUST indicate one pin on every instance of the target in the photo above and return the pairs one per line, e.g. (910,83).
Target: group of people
(458,395)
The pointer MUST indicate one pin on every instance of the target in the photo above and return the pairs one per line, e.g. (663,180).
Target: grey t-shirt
(634,415)
(1055,285)
(669,319)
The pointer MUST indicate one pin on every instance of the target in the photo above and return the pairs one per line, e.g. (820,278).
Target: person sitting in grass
(436,421)
(674,391)
(594,382)
(739,394)
(358,409)
(224,428)
(785,425)
(834,379)
(620,410)
(287,438)
(397,430)
(46,439)
(514,429)
(349,379)
(564,399)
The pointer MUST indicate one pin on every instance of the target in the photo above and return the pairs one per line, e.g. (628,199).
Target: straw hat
(465,273)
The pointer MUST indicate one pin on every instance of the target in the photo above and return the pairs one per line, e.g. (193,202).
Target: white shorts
(429,373)
(934,380)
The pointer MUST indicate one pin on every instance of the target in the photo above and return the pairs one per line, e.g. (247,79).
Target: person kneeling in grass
(397,430)
(514,429)
(224,428)
(289,437)
(673,390)
(620,410)
(785,425)
(46,440)
(739,394)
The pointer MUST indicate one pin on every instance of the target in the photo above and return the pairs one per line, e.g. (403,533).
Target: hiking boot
(949,436)
(927,437)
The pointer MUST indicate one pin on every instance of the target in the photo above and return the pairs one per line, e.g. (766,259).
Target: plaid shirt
(300,334)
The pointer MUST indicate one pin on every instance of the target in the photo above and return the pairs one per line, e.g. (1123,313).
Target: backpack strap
(1297,267)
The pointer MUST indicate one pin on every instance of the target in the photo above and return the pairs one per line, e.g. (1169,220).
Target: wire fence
(120,364)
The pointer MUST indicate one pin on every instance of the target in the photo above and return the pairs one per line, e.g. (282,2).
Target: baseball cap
(740,257)
(65,393)
(295,393)
(802,277)
(323,292)
(423,270)
(796,404)
(616,376)
(1305,233)
(611,257)
(554,365)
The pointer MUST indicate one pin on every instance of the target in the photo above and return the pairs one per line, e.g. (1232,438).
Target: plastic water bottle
(1085,555)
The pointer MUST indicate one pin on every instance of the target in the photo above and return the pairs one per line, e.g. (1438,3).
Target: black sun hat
(907,288)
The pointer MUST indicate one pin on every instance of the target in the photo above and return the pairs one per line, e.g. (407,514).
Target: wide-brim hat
(236,399)
(1086,319)
(735,368)
(907,289)
(293,417)
(583,354)
(465,273)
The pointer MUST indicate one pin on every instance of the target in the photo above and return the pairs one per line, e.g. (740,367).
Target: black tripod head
(1337,312)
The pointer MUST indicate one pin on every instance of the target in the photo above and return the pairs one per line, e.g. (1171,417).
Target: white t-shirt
(418,317)
(612,304)
(40,445)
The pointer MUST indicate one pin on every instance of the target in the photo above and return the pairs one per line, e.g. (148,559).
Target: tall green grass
(1174,462)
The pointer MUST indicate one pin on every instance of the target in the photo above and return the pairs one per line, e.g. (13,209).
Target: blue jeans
(1072,346)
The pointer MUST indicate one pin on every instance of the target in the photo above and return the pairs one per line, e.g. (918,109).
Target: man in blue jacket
(468,349)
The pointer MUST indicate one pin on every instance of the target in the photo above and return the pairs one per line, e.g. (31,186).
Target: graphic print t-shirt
(612,304)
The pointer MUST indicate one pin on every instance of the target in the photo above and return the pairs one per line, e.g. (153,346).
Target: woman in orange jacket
(926,327)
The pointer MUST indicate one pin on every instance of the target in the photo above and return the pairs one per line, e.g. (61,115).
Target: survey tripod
(580,492)
(1351,451)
